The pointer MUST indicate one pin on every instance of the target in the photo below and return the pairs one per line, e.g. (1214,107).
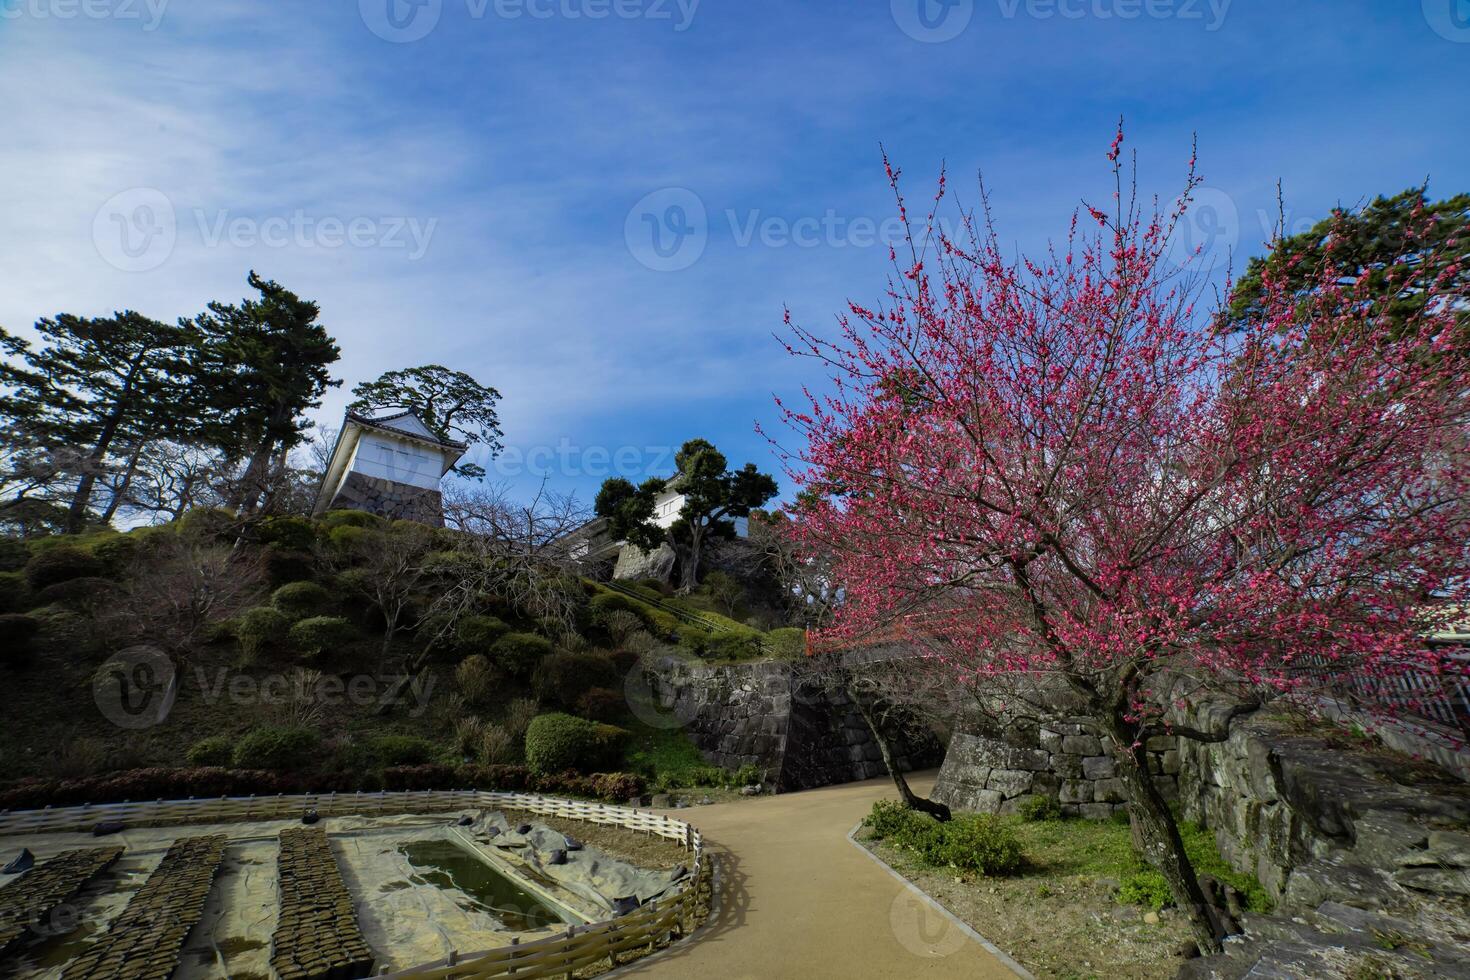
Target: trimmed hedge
(602,704)
(78,593)
(214,781)
(288,533)
(562,678)
(273,747)
(321,634)
(518,653)
(403,750)
(612,786)
(262,628)
(559,742)
(477,634)
(216,750)
(301,599)
(62,564)
(734,645)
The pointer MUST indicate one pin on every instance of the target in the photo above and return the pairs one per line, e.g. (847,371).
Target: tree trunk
(910,799)
(1155,829)
(120,494)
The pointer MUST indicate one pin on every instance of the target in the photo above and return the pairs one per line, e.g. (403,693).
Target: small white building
(390,466)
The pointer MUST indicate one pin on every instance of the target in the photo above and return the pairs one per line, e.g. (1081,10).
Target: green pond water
(445,864)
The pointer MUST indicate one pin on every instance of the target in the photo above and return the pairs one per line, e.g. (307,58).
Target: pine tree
(265,362)
(94,387)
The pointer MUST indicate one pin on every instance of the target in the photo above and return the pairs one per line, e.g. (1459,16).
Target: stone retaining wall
(395,501)
(772,716)
(998,772)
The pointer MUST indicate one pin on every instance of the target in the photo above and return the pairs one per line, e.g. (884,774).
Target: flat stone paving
(317,935)
(144,941)
(42,890)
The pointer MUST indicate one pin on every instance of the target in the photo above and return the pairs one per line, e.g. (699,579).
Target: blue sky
(478,183)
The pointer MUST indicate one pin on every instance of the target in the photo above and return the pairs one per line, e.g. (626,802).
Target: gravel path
(795,898)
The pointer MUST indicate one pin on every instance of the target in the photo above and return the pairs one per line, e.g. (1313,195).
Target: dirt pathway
(797,899)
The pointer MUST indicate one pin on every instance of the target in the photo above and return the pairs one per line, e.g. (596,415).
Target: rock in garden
(23,862)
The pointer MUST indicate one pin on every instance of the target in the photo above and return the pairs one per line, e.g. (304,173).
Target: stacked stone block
(396,501)
(317,935)
(143,943)
(1066,762)
(44,889)
(773,716)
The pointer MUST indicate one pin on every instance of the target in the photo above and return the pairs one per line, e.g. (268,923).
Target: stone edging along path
(933,905)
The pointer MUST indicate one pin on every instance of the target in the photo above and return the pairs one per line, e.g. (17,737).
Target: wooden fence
(667,919)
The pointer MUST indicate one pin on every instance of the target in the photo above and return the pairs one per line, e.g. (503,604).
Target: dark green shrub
(261,629)
(477,634)
(78,593)
(970,842)
(216,750)
(605,603)
(283,567)
(15,595)
(13,554)
(518,653)
(562,678)
(602,704)
(559,742)
(787,643)
(60,565)
(350,518)
(347,538)
(321,634)
(272,747)
(1035,809)
(734,645)
(215,522)
(889,818)
(403,750)
(288,533)
(301,599)
(118,552)
(16,634)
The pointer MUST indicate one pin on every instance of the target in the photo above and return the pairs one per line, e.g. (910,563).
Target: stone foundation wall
(396,501)
(1000,771)
(771,716)
(1280,802)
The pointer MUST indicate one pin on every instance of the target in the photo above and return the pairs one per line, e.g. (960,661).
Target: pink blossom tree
(1066,468)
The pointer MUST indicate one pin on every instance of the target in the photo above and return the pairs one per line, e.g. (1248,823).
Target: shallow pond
(445,864)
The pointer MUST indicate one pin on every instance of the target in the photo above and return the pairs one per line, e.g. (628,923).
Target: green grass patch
(1102,849)
(670,761)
